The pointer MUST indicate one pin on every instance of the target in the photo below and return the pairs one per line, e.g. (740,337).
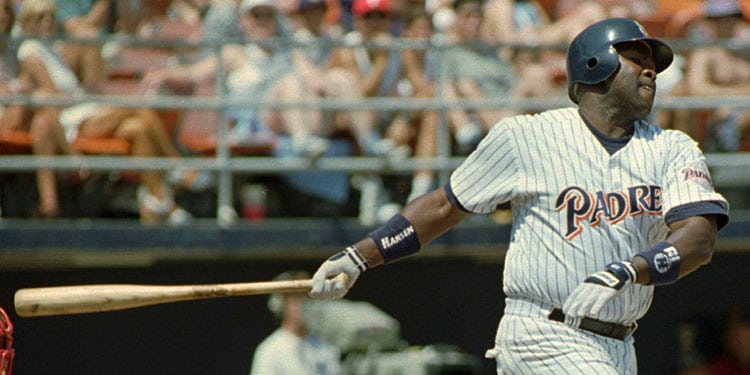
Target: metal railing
(727,169)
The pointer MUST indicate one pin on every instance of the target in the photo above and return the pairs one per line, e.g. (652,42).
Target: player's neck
(608,124)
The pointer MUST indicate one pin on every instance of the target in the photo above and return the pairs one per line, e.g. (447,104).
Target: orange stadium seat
(15,142)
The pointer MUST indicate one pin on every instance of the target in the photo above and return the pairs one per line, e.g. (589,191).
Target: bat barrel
(78,299)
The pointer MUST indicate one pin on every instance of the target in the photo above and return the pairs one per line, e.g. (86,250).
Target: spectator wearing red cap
(367,56)
(312,61)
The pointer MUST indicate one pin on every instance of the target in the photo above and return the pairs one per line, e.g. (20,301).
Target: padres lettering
(581,205)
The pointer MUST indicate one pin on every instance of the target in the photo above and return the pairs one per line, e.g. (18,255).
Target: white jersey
(284,353)
(575,207)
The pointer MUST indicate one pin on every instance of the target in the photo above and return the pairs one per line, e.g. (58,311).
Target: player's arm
(689,245)
(421,221)
(431,215)
(693,238)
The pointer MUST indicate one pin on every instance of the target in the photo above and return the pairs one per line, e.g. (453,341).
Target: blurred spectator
(9,82)
(365,55)
(377,68)
(734,355)
(143,128)
(162,19)
(540,72)
(221,22)
(713,70)
(8,63)
(473,70)
(418,81)
(85,19)
(48,138)
(312,57)
(291,348)
(513,21)
(255,70)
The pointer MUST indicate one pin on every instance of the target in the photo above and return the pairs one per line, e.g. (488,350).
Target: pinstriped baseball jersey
(577,208)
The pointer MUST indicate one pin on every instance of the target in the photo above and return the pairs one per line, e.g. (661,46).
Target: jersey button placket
(614,176)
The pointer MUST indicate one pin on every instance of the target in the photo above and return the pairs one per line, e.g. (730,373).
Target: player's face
(634,86)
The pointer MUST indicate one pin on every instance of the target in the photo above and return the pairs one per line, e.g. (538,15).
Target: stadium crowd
(305,51)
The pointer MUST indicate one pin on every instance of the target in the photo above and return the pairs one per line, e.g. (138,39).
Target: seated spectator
(8,63)
(308,26)
(377,70)
(221,23)
(255,70)
(714,70)
(473,71)
(169,20)
(141,127)
(540,72)
(46,134)
(10,116)
(85,20)
(717,71)
(418,81)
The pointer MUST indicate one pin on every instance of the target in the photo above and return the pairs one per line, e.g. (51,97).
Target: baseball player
(605,206)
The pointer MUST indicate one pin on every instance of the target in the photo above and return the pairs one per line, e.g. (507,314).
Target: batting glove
(588,298)
(336,275)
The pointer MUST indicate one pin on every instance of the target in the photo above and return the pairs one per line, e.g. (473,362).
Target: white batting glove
(588,298)
(336,275)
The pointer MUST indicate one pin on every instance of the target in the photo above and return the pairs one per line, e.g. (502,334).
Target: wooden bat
(76,299)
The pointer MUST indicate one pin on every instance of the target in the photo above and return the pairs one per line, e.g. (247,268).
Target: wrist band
(396,239)
(624,270)
(663,263)
(356,257)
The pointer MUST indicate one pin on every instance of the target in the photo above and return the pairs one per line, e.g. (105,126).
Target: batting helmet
(6,344)
(592,57)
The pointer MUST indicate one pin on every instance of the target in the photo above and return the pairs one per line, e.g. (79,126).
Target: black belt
(613,330)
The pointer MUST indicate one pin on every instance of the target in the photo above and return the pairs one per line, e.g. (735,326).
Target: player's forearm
(430,215)
(694,238)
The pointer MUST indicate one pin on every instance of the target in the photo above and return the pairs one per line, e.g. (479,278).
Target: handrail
(727,169)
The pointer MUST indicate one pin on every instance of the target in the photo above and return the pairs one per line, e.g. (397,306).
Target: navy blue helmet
(592,57)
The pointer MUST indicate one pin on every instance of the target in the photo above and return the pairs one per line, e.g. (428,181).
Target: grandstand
(105,242)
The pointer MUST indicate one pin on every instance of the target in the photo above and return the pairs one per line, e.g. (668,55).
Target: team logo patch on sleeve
(698,173)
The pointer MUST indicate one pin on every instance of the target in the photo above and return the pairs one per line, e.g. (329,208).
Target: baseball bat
(76,299)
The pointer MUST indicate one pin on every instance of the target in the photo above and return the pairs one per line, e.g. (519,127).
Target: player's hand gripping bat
(75,299)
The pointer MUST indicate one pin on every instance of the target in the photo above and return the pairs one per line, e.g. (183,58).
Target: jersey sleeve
(489,175)
(687,182)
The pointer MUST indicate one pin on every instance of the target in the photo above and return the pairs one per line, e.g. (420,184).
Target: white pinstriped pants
(527,342)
